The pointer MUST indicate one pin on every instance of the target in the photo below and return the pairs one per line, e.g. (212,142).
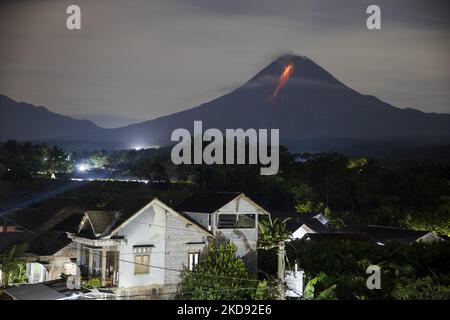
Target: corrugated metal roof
(36,291)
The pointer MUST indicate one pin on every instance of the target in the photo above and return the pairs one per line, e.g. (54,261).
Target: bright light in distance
(138,147)
(82,167)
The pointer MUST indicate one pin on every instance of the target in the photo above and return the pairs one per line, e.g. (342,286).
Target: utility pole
(281,270)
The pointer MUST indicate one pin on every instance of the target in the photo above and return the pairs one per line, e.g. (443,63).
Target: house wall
(60,262)
(182,237)
(245,239)
(148,228)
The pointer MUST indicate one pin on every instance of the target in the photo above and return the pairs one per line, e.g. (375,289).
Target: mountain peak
(304,71)
(292,57)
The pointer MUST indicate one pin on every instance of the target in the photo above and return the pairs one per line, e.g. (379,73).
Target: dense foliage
(348,190)
(417,271)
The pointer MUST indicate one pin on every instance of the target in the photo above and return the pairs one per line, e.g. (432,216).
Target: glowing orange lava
(284,77)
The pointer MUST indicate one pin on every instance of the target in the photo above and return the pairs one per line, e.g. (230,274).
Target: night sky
(137,60)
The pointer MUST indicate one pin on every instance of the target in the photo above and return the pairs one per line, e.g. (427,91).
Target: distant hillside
(23,121)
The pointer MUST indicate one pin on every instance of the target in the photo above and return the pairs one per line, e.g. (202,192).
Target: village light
(138,147)
(82,167)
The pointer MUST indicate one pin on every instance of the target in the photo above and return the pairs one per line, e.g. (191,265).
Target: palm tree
(273,234)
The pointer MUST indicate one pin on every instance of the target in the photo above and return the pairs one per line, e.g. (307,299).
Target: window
(193,260)
(246,221)
(236,221)
(142,264)
(227,221)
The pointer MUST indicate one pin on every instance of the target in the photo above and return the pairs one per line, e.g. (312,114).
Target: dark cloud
(137,60)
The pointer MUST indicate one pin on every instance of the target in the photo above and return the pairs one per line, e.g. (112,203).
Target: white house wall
(199,217)
(148,228)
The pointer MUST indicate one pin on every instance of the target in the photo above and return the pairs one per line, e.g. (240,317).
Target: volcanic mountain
(313,110)
(312,106)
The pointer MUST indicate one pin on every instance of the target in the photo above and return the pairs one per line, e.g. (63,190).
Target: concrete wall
(201,218)
(172,237)
(245,238)
(60,262)
(182,237)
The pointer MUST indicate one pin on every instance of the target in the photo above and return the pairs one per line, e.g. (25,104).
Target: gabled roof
(102,221)
(207,202)
(158,202)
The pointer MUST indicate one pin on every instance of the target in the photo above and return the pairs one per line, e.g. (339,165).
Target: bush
(221,275)
(92,282)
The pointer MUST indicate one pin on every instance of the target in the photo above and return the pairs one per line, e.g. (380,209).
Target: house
(302,224)
(144,253)
(313,226)
(228,215)
(137,246)
(49,254)
(383,235)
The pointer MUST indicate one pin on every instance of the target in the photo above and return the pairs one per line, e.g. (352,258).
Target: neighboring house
(141,253)
(303,224)
(382,235)
(228,215)
(43,226)
(315,227)
(49,254)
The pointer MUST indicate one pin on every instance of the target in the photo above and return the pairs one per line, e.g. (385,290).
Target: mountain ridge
(25,121)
